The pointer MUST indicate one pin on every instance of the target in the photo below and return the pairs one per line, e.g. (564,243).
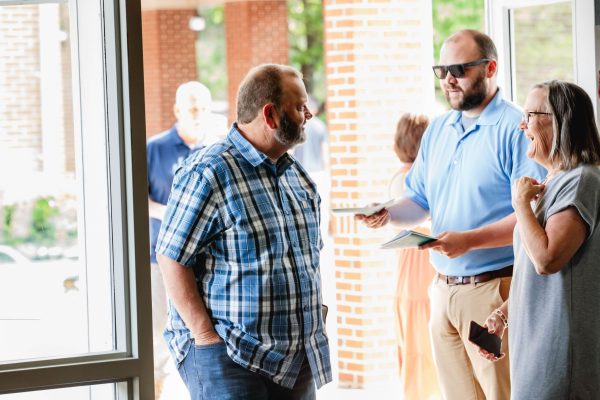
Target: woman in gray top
(554,306)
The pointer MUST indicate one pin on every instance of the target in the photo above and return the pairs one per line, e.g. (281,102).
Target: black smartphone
(482,338)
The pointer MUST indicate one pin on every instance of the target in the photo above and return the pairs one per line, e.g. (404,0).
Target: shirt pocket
(307,217)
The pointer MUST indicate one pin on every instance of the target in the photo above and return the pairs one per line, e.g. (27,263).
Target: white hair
(194,89)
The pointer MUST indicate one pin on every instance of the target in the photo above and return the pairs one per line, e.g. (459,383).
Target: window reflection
(543,45)
(45,300)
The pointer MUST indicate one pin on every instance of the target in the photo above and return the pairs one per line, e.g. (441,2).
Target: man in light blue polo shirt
(462,180)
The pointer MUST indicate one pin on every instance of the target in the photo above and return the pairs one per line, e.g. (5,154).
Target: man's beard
(193,128)
(473,97)
(289,133)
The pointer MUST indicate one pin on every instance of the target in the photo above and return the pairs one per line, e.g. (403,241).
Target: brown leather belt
(486,276)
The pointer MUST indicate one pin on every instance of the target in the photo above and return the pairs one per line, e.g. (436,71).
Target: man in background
(164,153)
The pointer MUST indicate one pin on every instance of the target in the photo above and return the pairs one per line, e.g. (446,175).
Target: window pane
(55,261)
(543,45)
(96,392)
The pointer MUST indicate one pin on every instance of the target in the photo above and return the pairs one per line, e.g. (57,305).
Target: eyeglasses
(457,70)
(528,114)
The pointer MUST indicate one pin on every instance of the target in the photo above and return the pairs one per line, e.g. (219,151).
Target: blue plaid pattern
(250,229)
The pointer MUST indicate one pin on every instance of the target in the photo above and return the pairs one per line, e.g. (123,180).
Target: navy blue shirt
(164,153)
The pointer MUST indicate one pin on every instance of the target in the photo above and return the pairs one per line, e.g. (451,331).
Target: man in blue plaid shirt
(239,251)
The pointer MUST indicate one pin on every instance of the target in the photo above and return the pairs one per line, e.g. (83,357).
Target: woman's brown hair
(407,139)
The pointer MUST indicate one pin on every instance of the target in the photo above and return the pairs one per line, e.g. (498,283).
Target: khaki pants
(463,374)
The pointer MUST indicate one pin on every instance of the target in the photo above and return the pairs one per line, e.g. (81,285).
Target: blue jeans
(210,374)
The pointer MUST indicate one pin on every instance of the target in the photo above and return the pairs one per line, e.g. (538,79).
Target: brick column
(169,60)
(256,33)
(378,58)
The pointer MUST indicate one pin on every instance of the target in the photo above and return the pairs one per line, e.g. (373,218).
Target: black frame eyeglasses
(456,70)
(528,114)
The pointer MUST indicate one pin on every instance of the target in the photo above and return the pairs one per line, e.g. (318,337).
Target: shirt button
(455,162)
(303,275)
(305,308)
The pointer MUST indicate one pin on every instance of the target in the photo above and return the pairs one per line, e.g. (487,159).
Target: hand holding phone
(488,341)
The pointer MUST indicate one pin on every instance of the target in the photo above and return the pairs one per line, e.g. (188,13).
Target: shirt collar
(255,157)
(491,113)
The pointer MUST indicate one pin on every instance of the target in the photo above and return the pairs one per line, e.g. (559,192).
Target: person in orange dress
(411,303)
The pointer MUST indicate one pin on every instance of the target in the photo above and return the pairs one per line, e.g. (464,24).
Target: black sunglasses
(457,70)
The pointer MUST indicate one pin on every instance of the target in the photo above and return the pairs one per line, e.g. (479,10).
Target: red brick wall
(20,103)
(169,60)
(28,141)
(256,33)
(378,58)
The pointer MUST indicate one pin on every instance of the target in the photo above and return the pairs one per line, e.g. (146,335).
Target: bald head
(478,42)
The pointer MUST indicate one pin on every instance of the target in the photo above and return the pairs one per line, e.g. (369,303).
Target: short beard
(289,133)
(474,97)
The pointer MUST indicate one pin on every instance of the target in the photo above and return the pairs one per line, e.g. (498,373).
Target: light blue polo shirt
(464,179)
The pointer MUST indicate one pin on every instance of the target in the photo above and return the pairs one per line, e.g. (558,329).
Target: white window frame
(586,55)
(130,366)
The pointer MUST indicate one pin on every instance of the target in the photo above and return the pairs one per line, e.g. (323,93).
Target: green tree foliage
(7,221)
(305,19)
(450,16)
(42,228)
(210,52)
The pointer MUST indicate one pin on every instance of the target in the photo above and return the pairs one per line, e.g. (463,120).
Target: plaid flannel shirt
(250,229)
